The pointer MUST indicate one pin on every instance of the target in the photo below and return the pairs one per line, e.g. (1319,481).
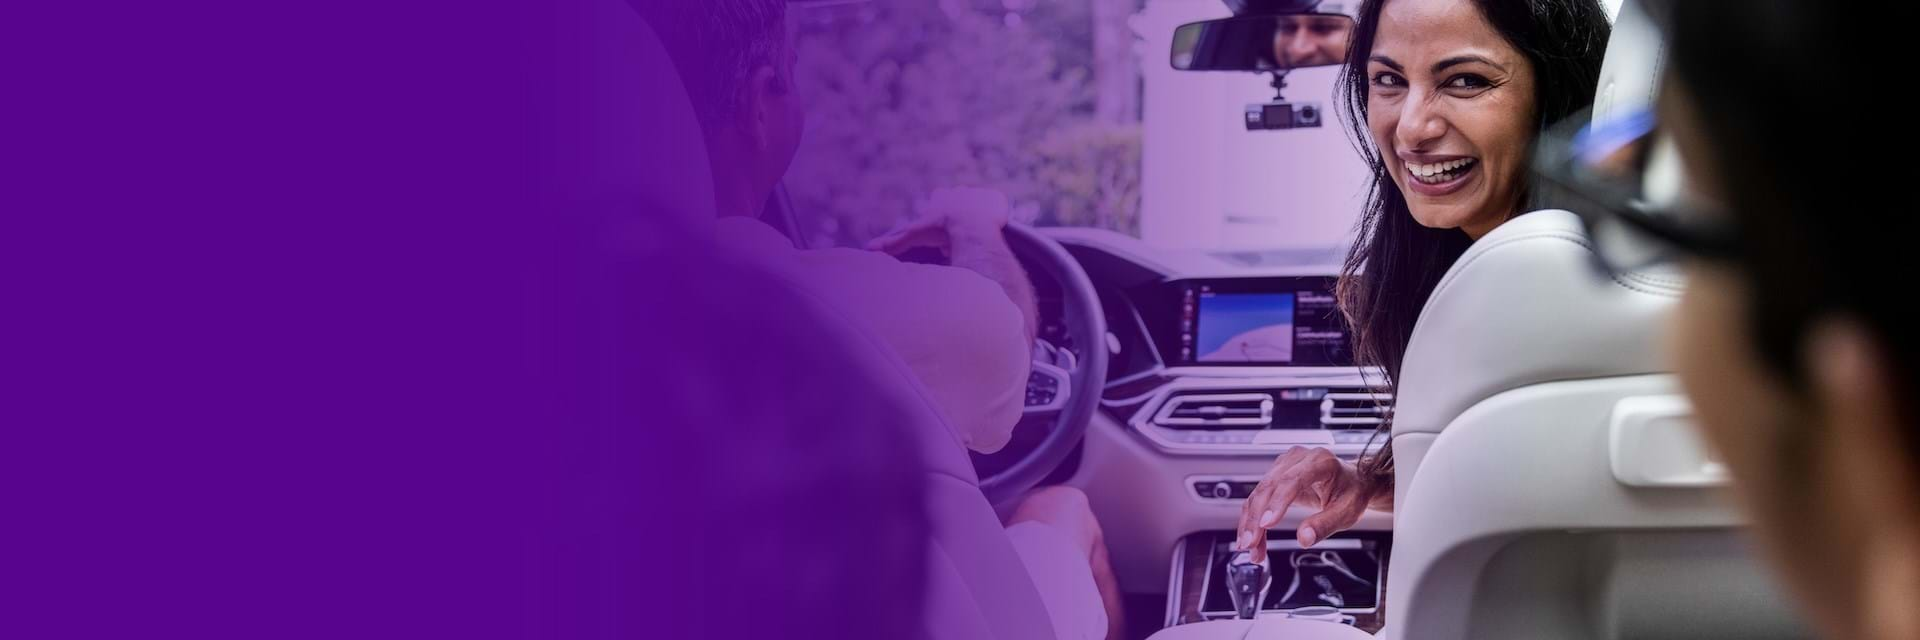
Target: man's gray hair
(716,45)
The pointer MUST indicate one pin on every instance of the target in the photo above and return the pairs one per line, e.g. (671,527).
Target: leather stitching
(1574,238)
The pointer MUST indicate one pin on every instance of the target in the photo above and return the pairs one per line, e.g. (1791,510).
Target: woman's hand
(1310,477)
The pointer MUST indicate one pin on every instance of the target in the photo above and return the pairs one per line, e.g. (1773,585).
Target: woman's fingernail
(1306,536)
(1267,519)
(1246,539)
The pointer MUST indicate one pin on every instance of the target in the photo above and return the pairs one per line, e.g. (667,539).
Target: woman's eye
(1388,81)
(1468,82)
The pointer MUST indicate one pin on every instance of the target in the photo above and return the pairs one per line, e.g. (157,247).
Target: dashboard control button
(1223,489)
(1243,489)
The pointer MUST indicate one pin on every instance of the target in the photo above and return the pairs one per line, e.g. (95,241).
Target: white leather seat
(1548,483)
(978,588)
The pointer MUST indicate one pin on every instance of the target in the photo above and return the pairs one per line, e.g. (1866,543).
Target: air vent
(1205,411)
(1355,408)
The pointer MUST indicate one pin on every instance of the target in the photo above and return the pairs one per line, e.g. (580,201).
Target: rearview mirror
(1263,43)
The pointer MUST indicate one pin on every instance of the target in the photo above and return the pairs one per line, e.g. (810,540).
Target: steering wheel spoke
(1048,388)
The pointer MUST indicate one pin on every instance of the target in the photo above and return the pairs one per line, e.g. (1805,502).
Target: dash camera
(1282,115)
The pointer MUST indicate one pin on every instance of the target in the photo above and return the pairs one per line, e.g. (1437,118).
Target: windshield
(1071,109)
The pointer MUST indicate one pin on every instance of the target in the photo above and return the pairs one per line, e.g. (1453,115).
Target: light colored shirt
(967,343)
(957,330)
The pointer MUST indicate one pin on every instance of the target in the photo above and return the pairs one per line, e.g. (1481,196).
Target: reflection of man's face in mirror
(1311,41)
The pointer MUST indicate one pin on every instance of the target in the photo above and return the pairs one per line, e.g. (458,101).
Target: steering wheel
(1063,386)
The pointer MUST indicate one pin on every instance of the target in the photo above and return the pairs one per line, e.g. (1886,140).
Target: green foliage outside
(906,96)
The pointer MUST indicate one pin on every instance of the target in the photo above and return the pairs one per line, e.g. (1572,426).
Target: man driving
(1311,40)
(966,330)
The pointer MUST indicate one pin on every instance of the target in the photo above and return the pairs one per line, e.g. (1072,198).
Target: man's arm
(985,251)
(969,226)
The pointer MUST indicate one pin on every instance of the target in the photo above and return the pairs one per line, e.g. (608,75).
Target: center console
(1346,572)
(1218,362)
(1252,367)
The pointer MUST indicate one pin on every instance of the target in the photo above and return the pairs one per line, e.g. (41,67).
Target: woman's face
(1451,107)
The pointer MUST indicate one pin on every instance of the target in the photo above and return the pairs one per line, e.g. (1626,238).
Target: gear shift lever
(1247,582)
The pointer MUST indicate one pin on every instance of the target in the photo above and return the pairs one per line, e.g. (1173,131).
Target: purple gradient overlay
(319,327)
(377,319)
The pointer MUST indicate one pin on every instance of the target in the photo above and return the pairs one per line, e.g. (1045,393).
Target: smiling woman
(1450,106)
(1445,98)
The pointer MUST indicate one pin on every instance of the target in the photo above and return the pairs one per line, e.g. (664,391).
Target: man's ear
(765,90)
(1872,462)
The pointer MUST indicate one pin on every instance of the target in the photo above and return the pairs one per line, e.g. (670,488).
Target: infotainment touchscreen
(1288,321)
(1244,327)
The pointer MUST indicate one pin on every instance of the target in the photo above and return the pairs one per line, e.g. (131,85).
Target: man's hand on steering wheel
(966,213)
(968,225)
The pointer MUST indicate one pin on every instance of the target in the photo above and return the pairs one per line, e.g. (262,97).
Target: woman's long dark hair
(1395,263)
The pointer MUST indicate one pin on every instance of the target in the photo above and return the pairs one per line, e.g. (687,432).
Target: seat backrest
(629,130)
(978,587)
(1548,482)
(1523,306)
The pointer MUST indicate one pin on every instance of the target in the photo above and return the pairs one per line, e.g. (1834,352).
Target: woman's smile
(1438,175)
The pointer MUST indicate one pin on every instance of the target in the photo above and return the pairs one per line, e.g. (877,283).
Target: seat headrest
(627,133)
(1636,58)
(1525,305)
(1630,78)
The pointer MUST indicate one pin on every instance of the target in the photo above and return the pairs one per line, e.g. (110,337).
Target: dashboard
(1218,361)
(1234,354)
